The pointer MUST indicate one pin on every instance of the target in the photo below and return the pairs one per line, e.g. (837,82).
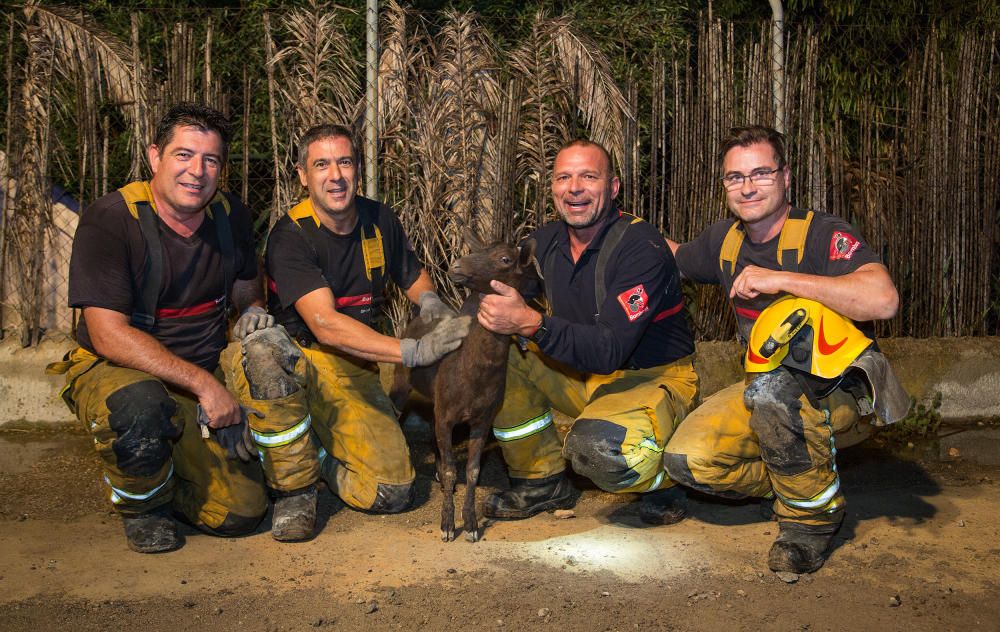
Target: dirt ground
(919,551)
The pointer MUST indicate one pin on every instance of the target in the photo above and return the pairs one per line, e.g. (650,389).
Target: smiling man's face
(186,171)
(756,204)
(331,176)
(582,185)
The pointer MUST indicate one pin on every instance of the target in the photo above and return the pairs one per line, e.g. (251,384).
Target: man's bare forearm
(115,339)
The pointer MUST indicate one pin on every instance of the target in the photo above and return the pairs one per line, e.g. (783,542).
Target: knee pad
(392,498)
(594,447)
(773,399)
(678,469)
(140,414)
(234,526)
(269,359)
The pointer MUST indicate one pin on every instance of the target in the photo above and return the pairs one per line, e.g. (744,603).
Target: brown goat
(468,384)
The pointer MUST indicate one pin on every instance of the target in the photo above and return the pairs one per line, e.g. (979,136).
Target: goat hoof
(447,535)
(474,536)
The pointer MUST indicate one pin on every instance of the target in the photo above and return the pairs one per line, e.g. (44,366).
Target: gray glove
(236,439)
(432,307)
(439,342)
(253,319)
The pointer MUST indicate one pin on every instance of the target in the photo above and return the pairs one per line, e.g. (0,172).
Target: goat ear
(472,239)
(526,257)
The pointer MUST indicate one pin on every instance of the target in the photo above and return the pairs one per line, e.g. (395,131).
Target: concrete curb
(964,371)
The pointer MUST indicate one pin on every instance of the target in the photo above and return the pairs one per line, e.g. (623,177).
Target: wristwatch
(540,333)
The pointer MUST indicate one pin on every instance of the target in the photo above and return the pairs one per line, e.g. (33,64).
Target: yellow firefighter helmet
(805,335)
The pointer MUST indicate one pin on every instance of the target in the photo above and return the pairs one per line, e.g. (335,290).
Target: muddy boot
(664,506)
(527,497)
(294,518)
(153,532)
(800,548)
(766,509)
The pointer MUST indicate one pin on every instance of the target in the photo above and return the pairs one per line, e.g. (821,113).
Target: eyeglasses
(734,181)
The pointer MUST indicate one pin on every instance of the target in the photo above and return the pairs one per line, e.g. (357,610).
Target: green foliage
(923,421)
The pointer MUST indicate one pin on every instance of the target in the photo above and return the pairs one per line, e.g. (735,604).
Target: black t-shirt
(641,323)
(833,248)
(305,257)
(107,270)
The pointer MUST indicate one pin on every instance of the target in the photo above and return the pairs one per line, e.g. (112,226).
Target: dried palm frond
(79,43)
(313,79)
(318,75)
(545,106)
(587,70)
(463,96)
(29,205)
(404,51)
(502,152)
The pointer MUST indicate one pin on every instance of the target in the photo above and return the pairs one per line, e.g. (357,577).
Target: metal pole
(778,63)
(371,102)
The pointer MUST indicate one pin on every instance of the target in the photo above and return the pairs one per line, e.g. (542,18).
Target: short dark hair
(751,135)
(319,132)
(586,142)
(187,114)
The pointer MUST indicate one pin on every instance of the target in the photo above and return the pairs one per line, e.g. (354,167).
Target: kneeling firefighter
(813,380)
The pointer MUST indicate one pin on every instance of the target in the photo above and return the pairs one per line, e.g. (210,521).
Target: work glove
(439,342)
(236,439)
(433,308)
(253,319)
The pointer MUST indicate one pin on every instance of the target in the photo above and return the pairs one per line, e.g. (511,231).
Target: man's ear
(302,176)
(616,185)
(153,153)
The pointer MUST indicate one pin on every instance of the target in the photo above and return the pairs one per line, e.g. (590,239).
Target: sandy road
(920,550)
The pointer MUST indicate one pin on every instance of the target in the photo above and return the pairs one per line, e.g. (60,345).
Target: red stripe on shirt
(667,313)
(194,310)
(747,313)
(354,301)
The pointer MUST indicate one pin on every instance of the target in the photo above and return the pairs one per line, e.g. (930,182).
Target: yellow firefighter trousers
(622,420)
(340,427)
(717,450)
(196,478)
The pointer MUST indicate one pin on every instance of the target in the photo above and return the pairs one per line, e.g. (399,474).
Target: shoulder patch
(635,302)
(842,245)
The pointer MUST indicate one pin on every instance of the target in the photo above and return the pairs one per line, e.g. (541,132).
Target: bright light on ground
(628,552)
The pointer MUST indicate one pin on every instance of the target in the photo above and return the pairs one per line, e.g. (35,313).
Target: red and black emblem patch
(634,302)
(842,246)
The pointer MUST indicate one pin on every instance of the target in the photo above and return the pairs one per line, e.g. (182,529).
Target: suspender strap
(374,255)
(547,265)
(144,313)
(228,250)
(792,241)
(730,252)
(611,241)
(608,248)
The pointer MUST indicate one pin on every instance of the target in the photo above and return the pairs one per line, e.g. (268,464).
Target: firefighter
(798,282)
(612,350)
(155,267)
(326,414)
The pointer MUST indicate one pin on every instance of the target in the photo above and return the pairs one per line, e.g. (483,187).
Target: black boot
(664,506)
(294,517)
(766,509)
(800,548)
(152,532)
(527,497)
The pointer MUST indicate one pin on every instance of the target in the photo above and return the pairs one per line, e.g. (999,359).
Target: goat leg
(448,475)
(477,437)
